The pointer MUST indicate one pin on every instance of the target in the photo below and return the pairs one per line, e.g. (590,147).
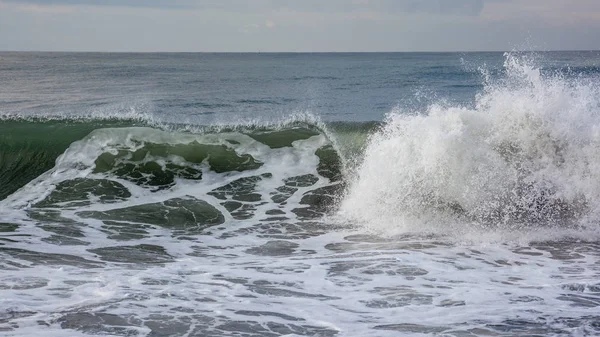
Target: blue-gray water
(222,87)
(375,194)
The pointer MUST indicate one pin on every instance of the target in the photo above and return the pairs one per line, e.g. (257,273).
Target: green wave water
(30,147)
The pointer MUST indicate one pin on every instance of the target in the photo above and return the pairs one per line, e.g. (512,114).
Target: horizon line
(299,52)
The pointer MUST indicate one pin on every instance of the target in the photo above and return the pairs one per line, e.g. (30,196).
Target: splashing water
(527,155)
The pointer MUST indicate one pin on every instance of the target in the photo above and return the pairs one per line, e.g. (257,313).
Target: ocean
(324,194)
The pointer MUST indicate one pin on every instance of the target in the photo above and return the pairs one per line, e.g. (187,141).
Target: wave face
(173,178)
(30,147)
(527,155)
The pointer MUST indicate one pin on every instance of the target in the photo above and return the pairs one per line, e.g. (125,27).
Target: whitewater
(469,209)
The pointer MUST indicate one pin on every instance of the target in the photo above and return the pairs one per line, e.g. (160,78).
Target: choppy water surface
(461,199)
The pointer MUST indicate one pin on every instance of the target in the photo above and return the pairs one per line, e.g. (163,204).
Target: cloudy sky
(298,25)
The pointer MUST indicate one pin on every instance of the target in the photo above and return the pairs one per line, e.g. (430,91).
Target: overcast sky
(298,25)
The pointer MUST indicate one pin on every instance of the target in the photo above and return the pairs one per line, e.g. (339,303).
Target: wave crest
(527,155)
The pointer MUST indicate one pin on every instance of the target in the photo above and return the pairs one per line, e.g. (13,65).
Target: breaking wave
(526,155)
(120,170)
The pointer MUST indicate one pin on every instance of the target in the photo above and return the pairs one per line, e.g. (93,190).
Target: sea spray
(526,155)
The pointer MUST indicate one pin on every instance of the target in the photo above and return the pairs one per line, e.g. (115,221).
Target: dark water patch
(578,300)
(7,317)
(23,283)
(580,70)
(395,270)
(284,138)
(124,231)
(245,329)
(257,101)
(275,218)
(589,324)
(526,299)
(451,303)
(54,219)
(67,234)
(319,201)
(282,194)
(330,163)
(527,251)
(376,243)
(231,206)
(189,215)
(563,251)
(412,328)
(401,297)
(167,325)
(270,329)
(280,270)
(266,288)
(77,192)
(464,86)
(43,258)
(369,269)
(143,166)
(274,212)
(367,238)
(77,283)
(296,230)
(178,103)
(572,270)
(301,181)
(245,212)
(68,229)
(100,323)
(274,248)
(61,240)
(583,287)
(268,313)
(415,241)
(342,247)
(347,127)
(243,189)
(337,269)
(3,240)
(8,227)
(156,282)
(155,175)
(309,77)
(143,254)
(517,327)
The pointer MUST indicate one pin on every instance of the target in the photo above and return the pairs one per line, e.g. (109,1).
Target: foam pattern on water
(274,281)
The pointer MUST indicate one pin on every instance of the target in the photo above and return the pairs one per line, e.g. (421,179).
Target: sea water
(300,194)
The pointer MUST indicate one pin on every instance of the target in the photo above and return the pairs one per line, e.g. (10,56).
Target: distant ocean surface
(327,194)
